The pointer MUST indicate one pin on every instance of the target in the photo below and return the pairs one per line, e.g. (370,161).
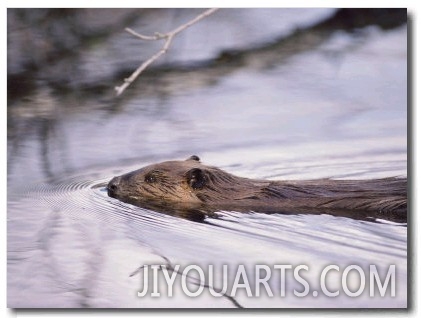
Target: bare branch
(170,267)
(141,36)
(158,36)
(197,19)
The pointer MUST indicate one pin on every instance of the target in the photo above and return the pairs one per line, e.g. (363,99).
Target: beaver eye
(152,176)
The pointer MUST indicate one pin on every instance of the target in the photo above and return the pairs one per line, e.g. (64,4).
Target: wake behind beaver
(192,190)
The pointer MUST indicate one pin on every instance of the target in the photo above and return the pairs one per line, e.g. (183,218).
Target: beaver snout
(113,186)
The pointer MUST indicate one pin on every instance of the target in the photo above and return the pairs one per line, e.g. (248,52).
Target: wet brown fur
(191,185)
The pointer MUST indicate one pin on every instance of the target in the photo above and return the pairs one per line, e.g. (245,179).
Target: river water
(338,110)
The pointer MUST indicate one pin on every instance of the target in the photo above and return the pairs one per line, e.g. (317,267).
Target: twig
(170,267)
(158,36)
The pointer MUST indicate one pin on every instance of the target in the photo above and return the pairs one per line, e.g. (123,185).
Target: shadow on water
(200,213)
(207,72)
(168,80)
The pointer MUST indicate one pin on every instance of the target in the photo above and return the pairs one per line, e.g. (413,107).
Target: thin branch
(170,267)
(158,36)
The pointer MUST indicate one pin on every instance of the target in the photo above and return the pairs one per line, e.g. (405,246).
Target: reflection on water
(338,111)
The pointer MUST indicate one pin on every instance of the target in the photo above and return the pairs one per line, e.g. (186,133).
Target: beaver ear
(194,157)
(196,178)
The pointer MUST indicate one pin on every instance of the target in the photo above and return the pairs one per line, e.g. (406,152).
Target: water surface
(337,111)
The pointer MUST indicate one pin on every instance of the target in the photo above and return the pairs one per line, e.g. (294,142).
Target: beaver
(193,190)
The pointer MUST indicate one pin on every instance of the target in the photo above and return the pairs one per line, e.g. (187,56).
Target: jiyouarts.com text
(278,280)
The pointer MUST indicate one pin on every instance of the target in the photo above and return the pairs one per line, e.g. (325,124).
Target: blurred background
(240,79)
(261,93)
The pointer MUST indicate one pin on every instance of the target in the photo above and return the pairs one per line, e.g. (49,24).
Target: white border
(413,12)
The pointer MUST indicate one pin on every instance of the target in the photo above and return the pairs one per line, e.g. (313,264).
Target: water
(338,110)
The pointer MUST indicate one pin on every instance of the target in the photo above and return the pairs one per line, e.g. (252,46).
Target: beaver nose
(113,185)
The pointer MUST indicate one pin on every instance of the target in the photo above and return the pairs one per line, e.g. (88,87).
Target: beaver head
(186,182)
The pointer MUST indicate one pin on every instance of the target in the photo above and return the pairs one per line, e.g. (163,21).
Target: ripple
(83,196)
(84,199)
